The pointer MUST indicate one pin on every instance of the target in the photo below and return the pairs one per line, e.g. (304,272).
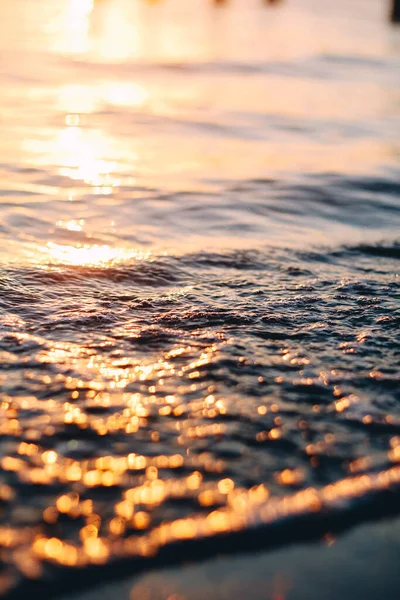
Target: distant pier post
(395,14)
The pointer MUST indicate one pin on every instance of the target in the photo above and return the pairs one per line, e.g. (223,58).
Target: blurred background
(104,95)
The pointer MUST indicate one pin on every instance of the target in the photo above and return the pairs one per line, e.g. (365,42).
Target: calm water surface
(199,290)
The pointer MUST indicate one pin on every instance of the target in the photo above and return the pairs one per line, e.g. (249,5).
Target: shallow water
(200,287)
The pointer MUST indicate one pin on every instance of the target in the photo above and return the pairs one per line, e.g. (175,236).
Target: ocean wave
(170,407)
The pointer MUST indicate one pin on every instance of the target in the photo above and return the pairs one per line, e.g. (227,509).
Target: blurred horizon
(107,96)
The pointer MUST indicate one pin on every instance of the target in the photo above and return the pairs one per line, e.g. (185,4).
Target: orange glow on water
(90,255)
(79,156)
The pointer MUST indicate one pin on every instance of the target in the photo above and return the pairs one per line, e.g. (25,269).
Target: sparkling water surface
(199,285)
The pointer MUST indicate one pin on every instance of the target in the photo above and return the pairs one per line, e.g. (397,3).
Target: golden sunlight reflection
(77,99)
(129,94)
(142,485)
(84,149)
(72,225)
(87,255)
(80,152)
(115,30)
(180,128)
(229,509)
(76,27)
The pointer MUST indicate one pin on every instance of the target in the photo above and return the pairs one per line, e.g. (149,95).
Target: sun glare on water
(87,255)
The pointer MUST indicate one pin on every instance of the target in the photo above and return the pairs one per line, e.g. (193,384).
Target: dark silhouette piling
(395,14)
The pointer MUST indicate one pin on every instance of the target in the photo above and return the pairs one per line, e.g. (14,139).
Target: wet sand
(360,564)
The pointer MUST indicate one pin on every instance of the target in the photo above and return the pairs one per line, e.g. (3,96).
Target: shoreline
(378,511)
(361,563)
